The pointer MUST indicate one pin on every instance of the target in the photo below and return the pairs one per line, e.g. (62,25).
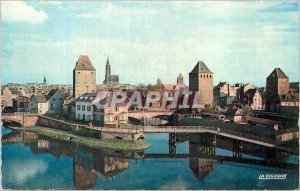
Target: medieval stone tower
(277,84)
(84,77)
(180,79)
(201,80)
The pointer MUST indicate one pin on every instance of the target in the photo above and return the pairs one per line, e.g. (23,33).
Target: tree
(247,114)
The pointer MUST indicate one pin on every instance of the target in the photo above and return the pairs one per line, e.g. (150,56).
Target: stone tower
(201,80)
(84,77)
(180,79)
(277,84)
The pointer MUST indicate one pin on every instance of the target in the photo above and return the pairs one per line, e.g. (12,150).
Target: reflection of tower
(84,176)
(202,166)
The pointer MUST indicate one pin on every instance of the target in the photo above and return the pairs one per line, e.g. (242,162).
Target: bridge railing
(18,114)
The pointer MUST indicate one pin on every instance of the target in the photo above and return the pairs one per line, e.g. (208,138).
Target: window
(83,108)
(78,116)
(88,108)
(78,107)
(210,76)
(201,76)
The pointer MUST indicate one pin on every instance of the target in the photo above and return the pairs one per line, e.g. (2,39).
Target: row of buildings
(78,101)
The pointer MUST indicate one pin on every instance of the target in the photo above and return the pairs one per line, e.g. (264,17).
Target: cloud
(22,170)
(86,15)
(50,2)
(20,11)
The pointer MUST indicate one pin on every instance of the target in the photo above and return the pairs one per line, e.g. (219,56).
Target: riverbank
(86,141)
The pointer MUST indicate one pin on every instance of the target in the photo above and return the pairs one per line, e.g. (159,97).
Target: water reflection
(204,150)
(88,163)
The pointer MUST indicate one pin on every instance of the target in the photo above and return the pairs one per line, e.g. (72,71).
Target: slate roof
(200,68)
(84,63)
(250,93)
(221,84)
(294,86)
(289,97)
(41,98)
(278,73)
(233,111)
(87,97)
(51,93)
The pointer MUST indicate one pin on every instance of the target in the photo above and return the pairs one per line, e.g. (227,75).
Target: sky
(239,41)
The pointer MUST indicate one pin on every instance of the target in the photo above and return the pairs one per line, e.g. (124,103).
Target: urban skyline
(274,25)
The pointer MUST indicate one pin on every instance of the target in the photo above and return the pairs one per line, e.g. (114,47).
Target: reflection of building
(84,77)
(88,163)
(201,80)
(109,78)
(201,167)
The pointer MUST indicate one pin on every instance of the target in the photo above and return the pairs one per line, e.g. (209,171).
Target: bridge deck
(213,130)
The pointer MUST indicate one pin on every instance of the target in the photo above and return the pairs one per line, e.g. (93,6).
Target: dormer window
(84,65)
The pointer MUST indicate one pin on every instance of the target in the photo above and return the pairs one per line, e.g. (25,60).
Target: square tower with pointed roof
(84,77)
(277,84)
(201,80)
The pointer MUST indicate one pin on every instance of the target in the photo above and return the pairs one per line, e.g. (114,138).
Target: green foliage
(88,141)
(247,114)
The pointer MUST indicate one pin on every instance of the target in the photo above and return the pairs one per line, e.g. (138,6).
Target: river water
(30,161)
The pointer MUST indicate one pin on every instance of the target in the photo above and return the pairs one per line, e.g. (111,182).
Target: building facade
(84,77)
(201,80)
(38,104)
(55,100)
(84,106)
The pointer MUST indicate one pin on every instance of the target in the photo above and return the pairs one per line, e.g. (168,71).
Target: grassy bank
(87,141)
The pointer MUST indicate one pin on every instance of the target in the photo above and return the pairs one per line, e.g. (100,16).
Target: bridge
(148,114)
(24,119)
(212,130)
(31,119)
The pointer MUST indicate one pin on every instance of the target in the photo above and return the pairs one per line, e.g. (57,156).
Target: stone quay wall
(86,131)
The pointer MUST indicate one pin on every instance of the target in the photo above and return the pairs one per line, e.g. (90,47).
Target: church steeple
(107,70)
(180,79)
(44,81)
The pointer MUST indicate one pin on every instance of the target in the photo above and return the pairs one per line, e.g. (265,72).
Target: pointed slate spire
(84,63)
(278,73)
(201,68)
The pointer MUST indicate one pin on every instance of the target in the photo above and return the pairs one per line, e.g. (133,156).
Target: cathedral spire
(107,61)
(44,81)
